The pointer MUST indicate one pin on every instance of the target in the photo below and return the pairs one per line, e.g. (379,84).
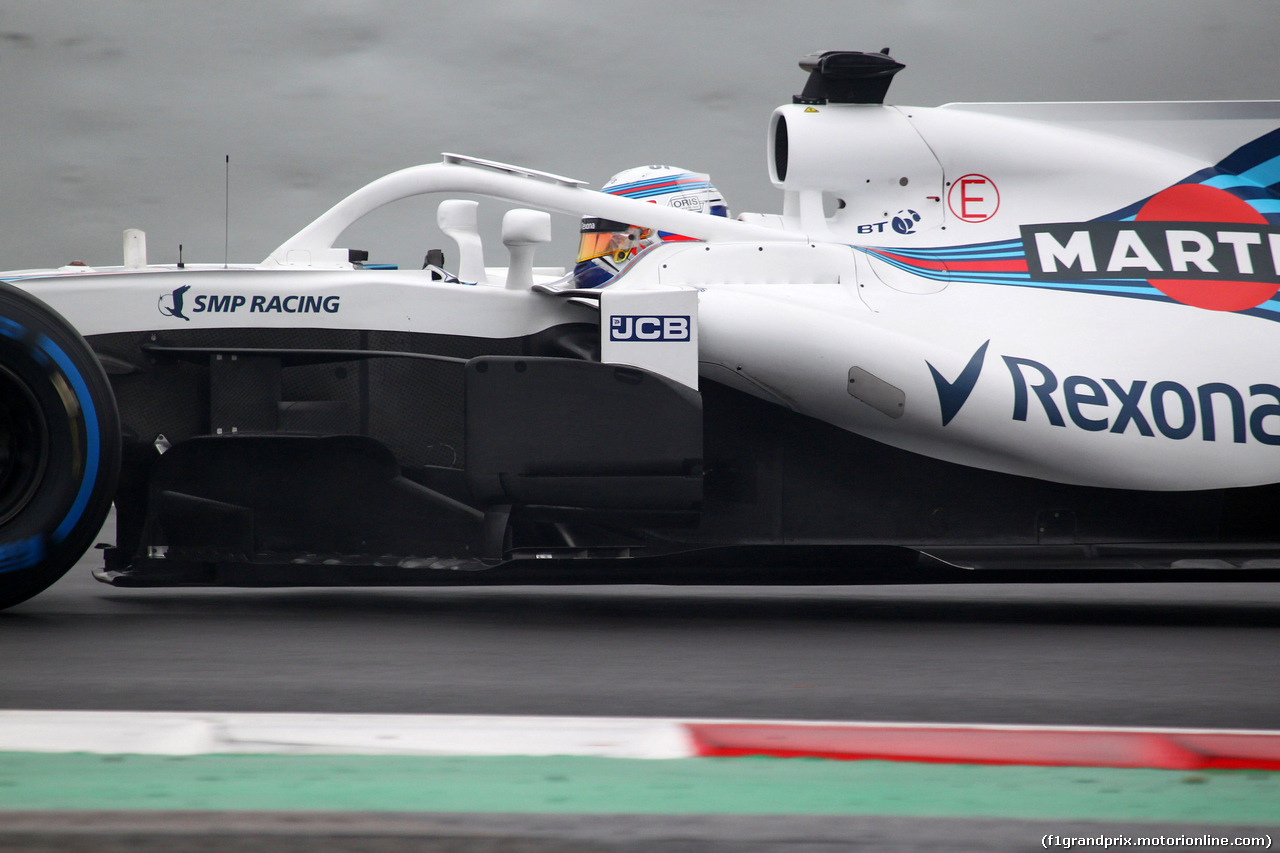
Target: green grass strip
(607,785)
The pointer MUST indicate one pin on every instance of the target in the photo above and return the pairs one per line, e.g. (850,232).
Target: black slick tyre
(59,446)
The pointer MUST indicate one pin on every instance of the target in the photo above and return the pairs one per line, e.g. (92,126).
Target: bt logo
(903,222)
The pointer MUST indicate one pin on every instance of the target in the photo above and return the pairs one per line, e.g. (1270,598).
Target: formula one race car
(980,341)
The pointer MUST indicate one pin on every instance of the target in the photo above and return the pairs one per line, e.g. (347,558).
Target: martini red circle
(1199,203)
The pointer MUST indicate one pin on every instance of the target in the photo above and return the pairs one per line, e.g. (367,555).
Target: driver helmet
(606,246)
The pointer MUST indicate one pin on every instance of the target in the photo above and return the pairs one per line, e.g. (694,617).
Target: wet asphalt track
(1126,655)
(1132,655)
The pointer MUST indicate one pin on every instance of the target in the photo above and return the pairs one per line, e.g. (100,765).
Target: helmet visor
(602,237)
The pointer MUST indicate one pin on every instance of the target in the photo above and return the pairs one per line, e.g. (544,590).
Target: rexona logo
(634,327)
(952,394)
(1216,411)
(1198,245)
(176,303)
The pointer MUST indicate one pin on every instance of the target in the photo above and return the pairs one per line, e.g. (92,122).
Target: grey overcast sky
(119,114)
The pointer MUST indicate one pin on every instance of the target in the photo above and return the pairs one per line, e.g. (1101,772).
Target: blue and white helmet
(606,246)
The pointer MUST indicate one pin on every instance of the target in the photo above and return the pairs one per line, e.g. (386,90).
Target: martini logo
(1198,245)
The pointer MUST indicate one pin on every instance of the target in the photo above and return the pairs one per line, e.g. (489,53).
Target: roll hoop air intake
(847,77)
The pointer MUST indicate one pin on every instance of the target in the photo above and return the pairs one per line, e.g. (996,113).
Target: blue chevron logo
(953,394)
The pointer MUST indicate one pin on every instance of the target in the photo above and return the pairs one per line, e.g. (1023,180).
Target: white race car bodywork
(785,312)
(1080,294)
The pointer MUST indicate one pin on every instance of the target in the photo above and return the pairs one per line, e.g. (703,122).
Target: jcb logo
(631,327)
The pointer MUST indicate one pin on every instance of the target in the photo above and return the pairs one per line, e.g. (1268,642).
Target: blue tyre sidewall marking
(92,438)
(10,329)
(22,554)
(28,552)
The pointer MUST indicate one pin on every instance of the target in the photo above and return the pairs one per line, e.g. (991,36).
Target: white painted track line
(164,733)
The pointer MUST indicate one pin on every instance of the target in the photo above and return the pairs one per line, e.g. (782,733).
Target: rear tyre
(59,446)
